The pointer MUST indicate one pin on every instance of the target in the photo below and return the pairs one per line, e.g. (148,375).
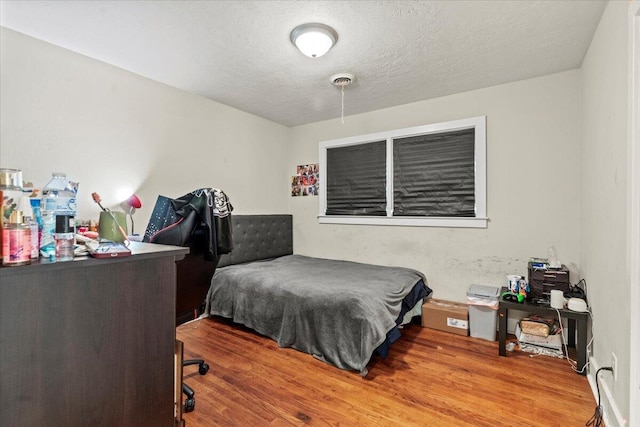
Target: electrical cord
(596,418)
(577,290)
(573,363)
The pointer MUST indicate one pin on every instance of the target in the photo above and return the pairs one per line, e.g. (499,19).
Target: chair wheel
(189,405)
(203,369)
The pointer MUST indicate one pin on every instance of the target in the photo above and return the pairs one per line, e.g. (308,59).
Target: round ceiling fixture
(313,39)
(342,79)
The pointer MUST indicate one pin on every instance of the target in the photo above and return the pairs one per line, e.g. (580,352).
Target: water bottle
(552,258)
(58,198)
(59,195)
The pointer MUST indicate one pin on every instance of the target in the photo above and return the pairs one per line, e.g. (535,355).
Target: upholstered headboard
(257,237)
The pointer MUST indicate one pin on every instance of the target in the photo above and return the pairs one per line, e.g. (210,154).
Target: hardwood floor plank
(430,378)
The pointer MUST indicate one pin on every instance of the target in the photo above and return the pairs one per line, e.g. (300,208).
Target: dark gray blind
(434,175)
(356,179)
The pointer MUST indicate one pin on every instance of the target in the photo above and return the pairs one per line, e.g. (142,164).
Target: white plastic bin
(483,311)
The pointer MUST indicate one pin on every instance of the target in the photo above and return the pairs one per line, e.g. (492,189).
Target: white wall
(533,181)
(634,212)
(108,129)
(603,228)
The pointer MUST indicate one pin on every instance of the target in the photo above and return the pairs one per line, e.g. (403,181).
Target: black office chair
(193,272)
(193,278)
(190,401)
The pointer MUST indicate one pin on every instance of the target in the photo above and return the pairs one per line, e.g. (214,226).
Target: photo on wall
(306,181)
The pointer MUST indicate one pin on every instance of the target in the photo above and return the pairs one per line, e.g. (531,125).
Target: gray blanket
(337,311)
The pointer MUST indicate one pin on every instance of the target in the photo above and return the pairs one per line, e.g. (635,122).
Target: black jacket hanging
(206,211)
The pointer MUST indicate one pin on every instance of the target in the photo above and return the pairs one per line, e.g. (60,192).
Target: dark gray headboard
(258,237)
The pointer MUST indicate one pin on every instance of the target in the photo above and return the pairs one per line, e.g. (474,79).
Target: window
(433,175)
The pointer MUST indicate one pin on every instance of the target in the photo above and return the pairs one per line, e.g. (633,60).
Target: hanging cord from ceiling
(341,80)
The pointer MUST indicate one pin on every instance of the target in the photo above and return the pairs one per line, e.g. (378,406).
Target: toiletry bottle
(37,216)
(16,241)
(65,238)
(28,220)
(48,235)
(34,247)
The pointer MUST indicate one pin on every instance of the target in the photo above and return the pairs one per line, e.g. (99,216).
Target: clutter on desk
(36,222)
(518,285)
(545,275)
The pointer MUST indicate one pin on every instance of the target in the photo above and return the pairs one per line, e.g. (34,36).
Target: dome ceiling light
(314,40)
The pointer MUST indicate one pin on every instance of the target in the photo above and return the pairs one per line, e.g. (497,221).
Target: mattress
(338,311)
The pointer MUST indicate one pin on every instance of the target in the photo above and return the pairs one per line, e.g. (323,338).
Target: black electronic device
(575,292)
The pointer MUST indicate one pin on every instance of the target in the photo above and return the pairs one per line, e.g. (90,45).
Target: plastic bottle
(37,216)
(34,251)
(552,257)
(59,195)
(47,237)
(58,198)
(16,241)
(27,213)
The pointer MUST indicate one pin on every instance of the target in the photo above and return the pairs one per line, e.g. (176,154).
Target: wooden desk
(574,318)
(89,342)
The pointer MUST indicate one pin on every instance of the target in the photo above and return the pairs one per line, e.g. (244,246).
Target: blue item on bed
(420,291)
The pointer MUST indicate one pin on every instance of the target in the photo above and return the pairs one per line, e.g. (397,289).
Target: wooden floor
(430,378)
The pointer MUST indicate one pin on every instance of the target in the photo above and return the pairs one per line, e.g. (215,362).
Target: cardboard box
(446,316)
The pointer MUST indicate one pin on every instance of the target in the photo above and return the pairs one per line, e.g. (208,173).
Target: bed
(340,312)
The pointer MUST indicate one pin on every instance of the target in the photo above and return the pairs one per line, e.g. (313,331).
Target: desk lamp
(133,202)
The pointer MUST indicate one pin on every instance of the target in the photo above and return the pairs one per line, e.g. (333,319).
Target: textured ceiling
(239,53)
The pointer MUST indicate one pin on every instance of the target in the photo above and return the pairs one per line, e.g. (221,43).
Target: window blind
(356,179)
(434,175)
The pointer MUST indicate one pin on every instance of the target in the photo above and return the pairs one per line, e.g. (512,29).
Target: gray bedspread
(337,311)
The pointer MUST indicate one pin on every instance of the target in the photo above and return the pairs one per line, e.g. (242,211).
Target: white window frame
(479,221)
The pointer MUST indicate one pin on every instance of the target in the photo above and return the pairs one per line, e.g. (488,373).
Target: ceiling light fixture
(314,40)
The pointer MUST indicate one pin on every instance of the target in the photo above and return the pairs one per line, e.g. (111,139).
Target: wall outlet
(614,366)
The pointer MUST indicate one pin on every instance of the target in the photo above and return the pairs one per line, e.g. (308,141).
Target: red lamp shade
(134,202)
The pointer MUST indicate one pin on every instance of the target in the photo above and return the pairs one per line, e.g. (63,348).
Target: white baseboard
(610,413)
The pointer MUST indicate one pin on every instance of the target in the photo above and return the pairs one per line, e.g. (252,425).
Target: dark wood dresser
(89,342)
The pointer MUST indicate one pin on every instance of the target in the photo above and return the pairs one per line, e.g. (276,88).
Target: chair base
(190,401)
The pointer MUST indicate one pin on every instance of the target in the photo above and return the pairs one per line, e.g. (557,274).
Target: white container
(483,311)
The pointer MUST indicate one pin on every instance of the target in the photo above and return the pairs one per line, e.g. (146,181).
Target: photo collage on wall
(306,180)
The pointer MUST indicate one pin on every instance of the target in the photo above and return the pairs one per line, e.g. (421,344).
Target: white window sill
(406,221)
